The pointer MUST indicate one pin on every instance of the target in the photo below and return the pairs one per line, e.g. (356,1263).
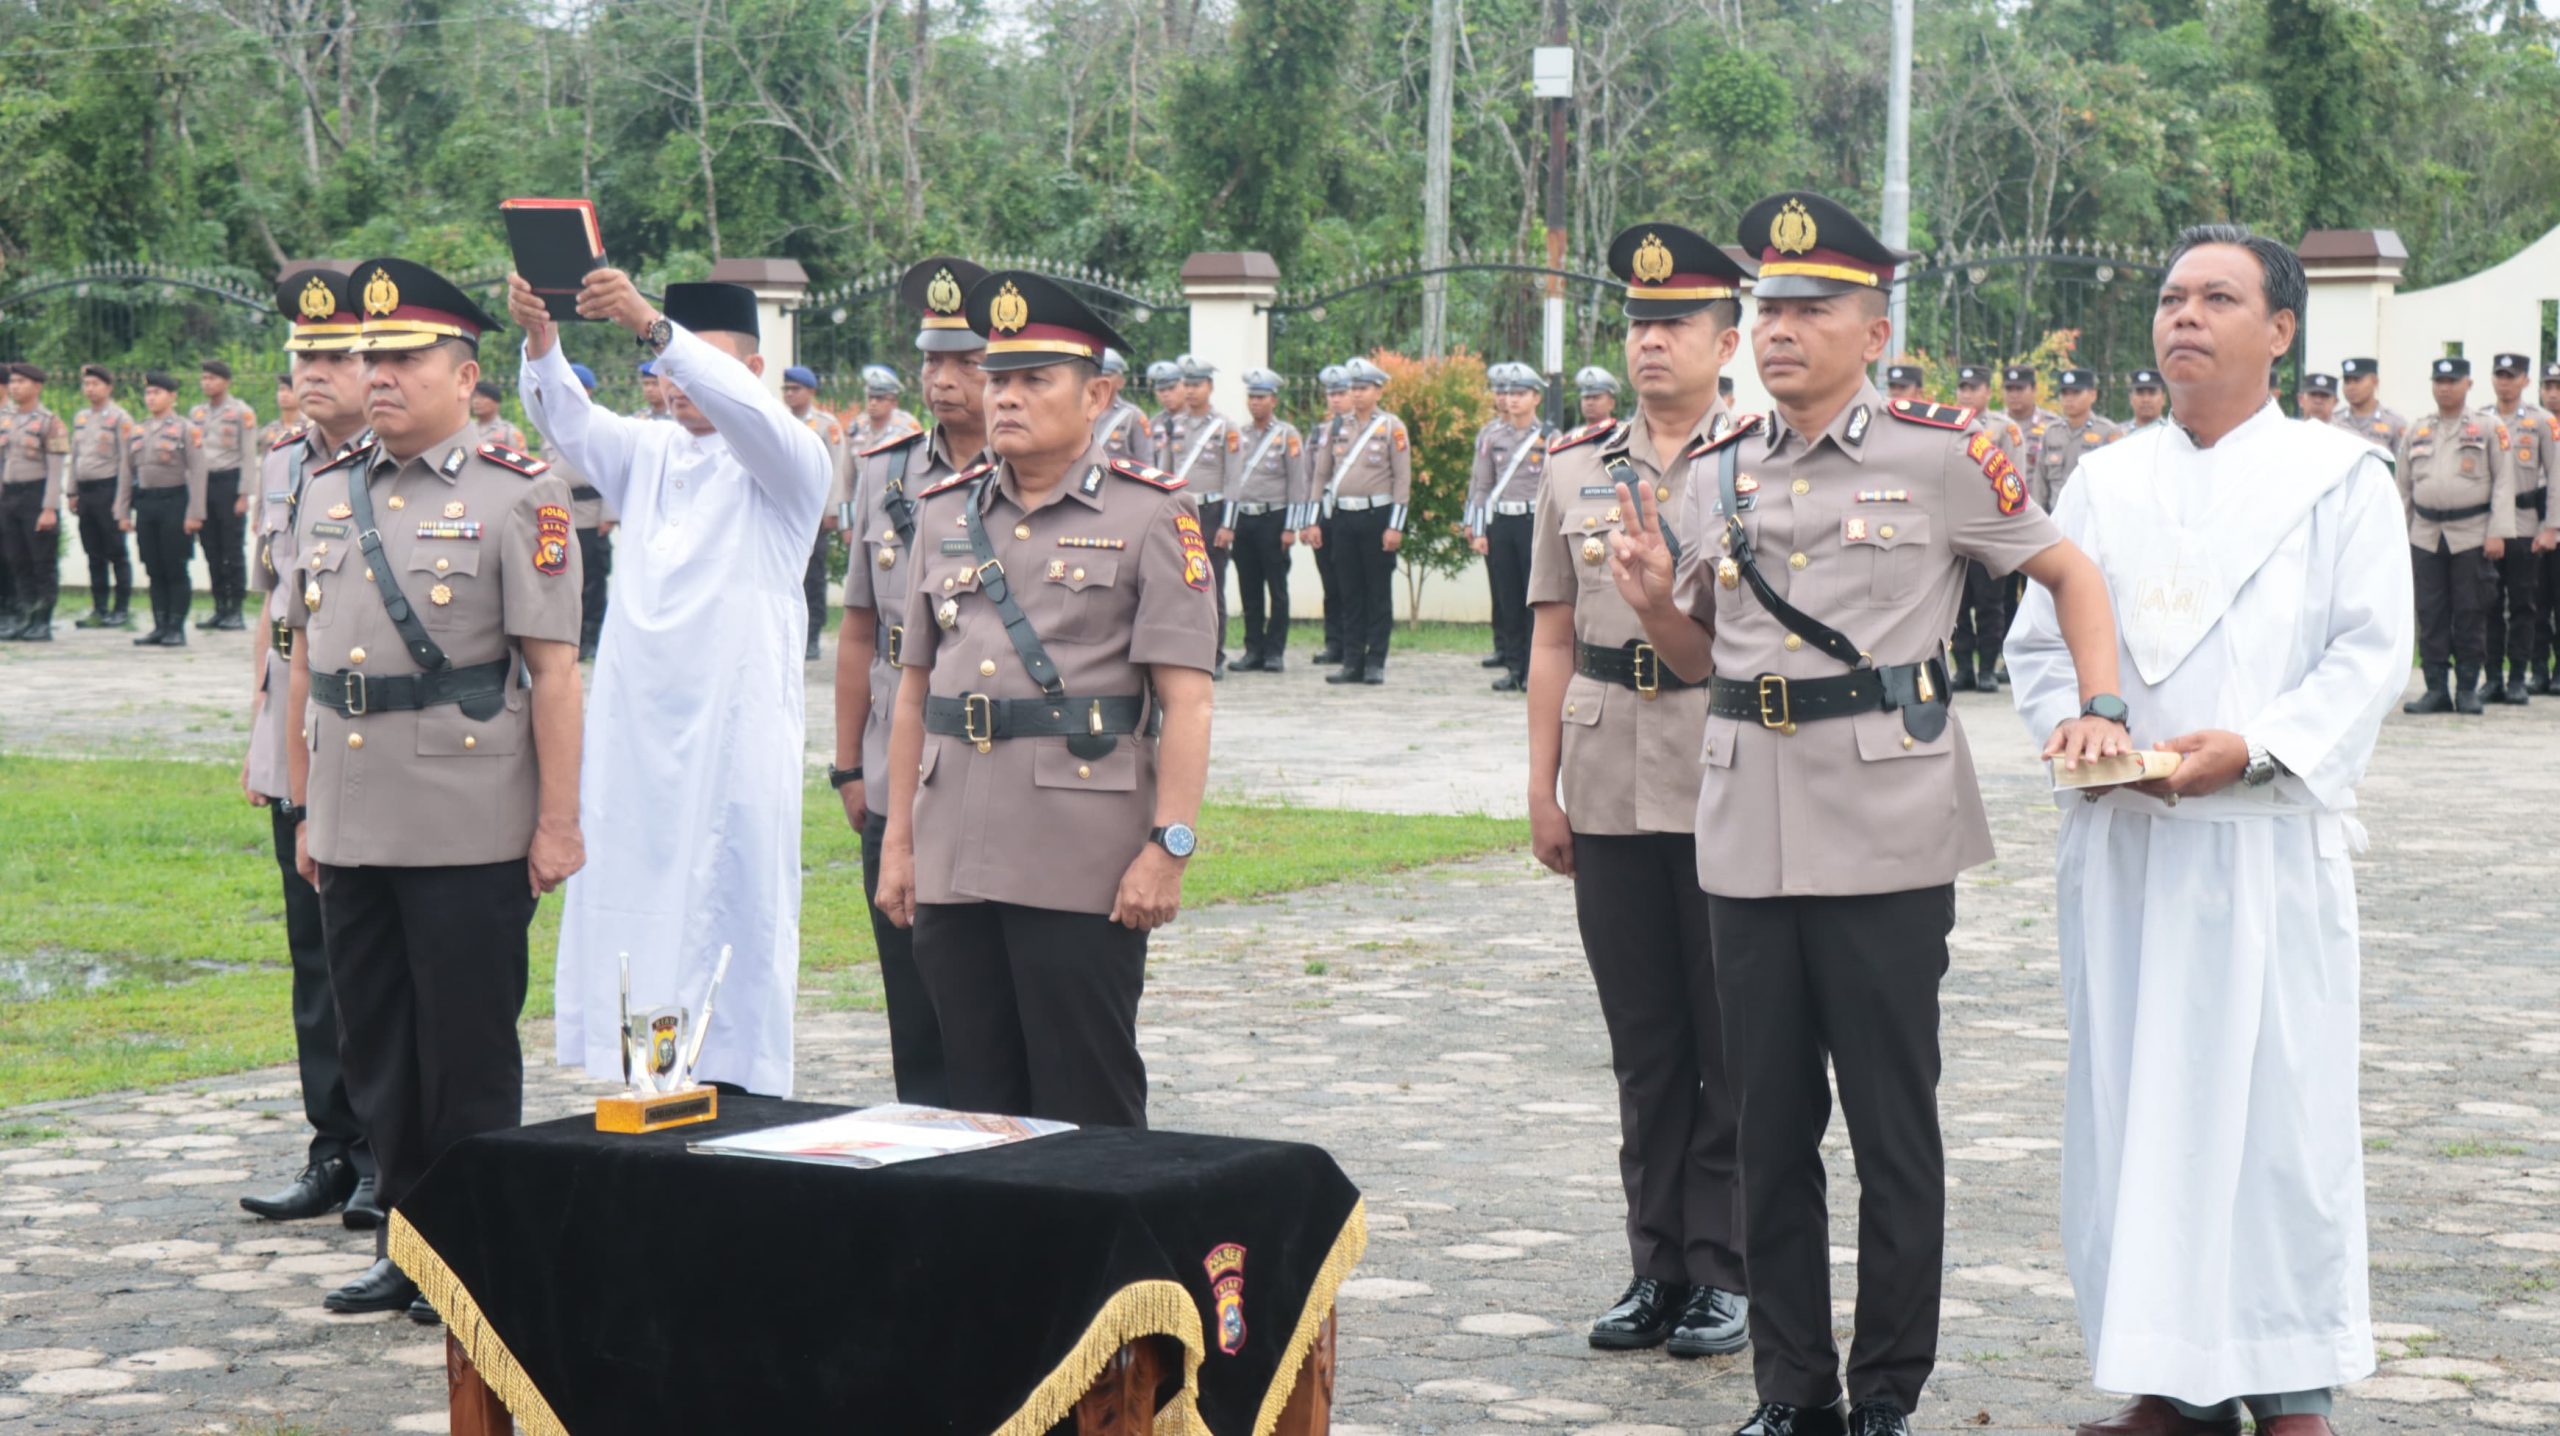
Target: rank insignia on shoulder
(1856,432)
(1936,416)
(1147,474)
(347,455)
(1583,435)
(967,475)
(1742,424)
(897,440)
(1092,481)
(2006,486)
(288,438)
(507,458)
(453,462)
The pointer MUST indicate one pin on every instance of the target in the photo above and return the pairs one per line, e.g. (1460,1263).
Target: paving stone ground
(1437,1032)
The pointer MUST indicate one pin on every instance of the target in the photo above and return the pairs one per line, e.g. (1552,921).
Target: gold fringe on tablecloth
(462,1318)
(1349,1245)
(1140,1309)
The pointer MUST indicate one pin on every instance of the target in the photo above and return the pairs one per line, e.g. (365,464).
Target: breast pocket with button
(1890,544)
(1586,532)
(322,566)
(1083,600)
(447,569)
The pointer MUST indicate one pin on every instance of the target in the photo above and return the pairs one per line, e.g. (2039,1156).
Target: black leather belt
(283,637)
(355,694)
(1781,703)
(2450,516)
(1635,665)
(893,641)
(2536,501)
(985,721)
(585,491)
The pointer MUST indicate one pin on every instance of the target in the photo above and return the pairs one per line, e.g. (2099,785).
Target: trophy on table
(659,1050)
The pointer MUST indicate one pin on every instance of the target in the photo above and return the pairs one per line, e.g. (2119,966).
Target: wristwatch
(656,337)
(2109,707)
(838,777)
(2262,768)
(1175,838)
(288,810)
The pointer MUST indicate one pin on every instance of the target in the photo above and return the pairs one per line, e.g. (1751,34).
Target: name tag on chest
(329,530)
(959,545)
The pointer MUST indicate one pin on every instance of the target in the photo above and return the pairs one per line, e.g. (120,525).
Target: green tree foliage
(1444,402)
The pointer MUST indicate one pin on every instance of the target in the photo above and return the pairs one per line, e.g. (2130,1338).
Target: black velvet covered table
(607,1283)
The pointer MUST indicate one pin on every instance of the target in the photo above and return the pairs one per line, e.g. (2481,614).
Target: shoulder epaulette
(974,471)
(1597,428)
(347,456)
(904,436)
(1936,416)
(1742,424)
(289,437)
(507,458)
(1147,474)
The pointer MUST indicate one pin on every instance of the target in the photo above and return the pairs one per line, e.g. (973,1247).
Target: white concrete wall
(2496,310)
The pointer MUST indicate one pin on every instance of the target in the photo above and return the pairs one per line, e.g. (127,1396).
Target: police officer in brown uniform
(162,506)
(2547,635)
(593,519)
(1205,444)
(1902,381)
(230,429)
(101,458)
(2359,379)
(1982,617)
(800,396)
(435,671)
(1367,484)
(1822,557)
(888,480)
(2318,400)
(2148,397)
(327,386)
(1618,737)
(1052,735)
(489,424)
(1267,497)
(35,453)
(1123,430)
(1502,494)
(2515,611)
(1317,516)
(2459,483)
(1596,393)
(2079,430)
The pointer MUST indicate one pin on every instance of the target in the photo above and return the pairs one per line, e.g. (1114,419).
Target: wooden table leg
(1310,1408)
(1122,1399)
(472,1409)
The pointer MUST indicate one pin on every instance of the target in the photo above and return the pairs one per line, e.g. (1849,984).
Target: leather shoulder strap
(413,634)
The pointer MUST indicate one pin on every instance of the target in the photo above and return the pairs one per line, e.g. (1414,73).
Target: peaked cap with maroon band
(1811,248)
(409,306)
(1670,271)
(1029,320)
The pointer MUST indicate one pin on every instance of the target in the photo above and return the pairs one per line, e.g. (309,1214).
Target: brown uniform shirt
(1866,526)
(37,451)
(875,577)
(167,453)
(102,446)
(1124,433)
(2533,444)
(230,433)
(2064,445)
(271,574)
(1503,474)
(496,431)
(860,437)
(483,553)
(1267,475)
(2453,464)
(1113,574)
(1194,448)
(1630,762)
(2383,426)
(1370,473)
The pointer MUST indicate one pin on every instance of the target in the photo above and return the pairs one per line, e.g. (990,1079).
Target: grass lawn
(1306,635)
(143,903)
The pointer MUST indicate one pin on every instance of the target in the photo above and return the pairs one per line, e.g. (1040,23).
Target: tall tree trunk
(1435,179)
(702,131)
(918,63)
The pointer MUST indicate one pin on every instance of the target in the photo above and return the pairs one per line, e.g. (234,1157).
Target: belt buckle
(1781,718)
(978,720)
(1647,667)
(994,566)
(352,704)
(897,642)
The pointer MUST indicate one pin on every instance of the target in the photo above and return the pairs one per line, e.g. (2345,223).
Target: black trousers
(1508,539)
(1367,574)
(428,965)
(1039,1010)
(102,539)
(813,584)
(915,1035)
(2547,612)
(1218,560)
(2453,592)
(335,1132)
(34,555)
(1329,577)
(1645,932)
(221,537)
(1854,978)
(595,556)
(1262,583)
(2514,622)
(1982,619)
(160,537)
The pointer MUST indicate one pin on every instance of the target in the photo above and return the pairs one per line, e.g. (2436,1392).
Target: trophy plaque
(659,1050)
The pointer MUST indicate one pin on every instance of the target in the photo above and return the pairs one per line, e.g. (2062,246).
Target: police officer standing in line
(328,391)
(1164,385)
(2149,398)
(2459,483)
(1199,456)
(2018,394)
(1123,431)
(877,422)
(594,520)
(32,466)
(2515,610)
(1902,381)
(2547,636)
(1038,823)
(889,478)
(1267,499)
(162,506)
(1317,518)
(101,460)
(288,418)
(1821,562)
(653,393)
(230,430)
(1596,391)
(2360,378)
(1502,493)
(2080,429)
(800,396)
(489,424)
(1619,738)
(1365,493)
(438,792)
(2318,400)
(1982,614)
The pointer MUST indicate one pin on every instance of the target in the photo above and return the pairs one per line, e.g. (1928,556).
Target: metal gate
(1994,307)
(860,321)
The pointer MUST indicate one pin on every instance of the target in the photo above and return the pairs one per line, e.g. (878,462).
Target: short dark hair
(2285,287)
(98,372)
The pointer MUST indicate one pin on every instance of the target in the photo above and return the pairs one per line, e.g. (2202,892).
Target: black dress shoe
(2539,683)
(2466,701)
(2493,692)
(1643,1317)
(211,620)
(231,622)
(1250,663)
(810,653)
(382,1288)
(38,630)
(97,618)
(1348,674)
(1374,676)
(364,1206)
(2515,692)
(151,639)
(1272,664)
(424,1314)
(1490,660)
(1716,1322)
(1776,1418)
(1328,655)
(2434,700)
(121,618)
(317,1192)
(1878,1418)
(1510,683)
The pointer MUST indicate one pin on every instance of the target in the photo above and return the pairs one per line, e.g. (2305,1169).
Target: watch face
(1179,840)
(2109,707)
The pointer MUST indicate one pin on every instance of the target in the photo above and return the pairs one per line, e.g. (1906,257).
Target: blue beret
(648,368)
(585,375)
(801,375)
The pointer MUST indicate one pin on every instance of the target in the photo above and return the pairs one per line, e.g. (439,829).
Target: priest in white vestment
(690,790)
(2213,1208)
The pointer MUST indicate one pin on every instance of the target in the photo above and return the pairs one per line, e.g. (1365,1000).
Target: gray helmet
(1163,372)
(1112,362)
(1361,371)
(1592,379)
(881,379)
(1195,370)
(1261,381)
(1515,378)
(1334,378)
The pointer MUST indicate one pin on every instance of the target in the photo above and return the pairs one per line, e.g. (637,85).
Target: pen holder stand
(656,1111)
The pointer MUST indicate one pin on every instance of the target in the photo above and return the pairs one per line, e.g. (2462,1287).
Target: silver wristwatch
(2262,768)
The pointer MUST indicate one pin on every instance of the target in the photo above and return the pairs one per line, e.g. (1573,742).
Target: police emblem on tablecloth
(1225,1264)
(1793,231)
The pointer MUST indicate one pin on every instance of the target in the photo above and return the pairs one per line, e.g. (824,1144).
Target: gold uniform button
(1568,710)
(1885,532)
(1662,494)
(986,668)
(1803,487)
(368,575)
(1795,560)
(1906,742)
(355,740)
(443,564)
(1022,531)
(1084,770)
(470,740)
(320,548)
(398,502)
(1794,643)
(1078,575)
(1590,521)
(355,655)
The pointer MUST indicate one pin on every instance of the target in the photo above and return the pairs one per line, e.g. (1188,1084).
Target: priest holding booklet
(2213,1179)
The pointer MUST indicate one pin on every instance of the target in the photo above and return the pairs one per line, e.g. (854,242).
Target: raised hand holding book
(555,243)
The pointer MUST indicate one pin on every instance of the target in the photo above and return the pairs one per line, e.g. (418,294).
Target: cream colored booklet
(2140,767)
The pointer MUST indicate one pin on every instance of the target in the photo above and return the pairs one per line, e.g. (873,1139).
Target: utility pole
(1552,80)
(1435,180)
(1897,170)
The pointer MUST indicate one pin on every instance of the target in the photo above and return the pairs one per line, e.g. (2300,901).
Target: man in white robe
(2213,1180)
(693,772)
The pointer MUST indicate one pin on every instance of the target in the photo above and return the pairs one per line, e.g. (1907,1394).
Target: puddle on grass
(58,972)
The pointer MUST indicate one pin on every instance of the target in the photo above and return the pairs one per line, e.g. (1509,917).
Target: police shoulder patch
(1936,416)
(507,458)
(1598,428)
(289,437)
(894,441)
(956,480)
(1147,474)
(347,456)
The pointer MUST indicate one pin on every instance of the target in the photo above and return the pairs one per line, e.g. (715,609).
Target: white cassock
(2213,1170)
(690,789)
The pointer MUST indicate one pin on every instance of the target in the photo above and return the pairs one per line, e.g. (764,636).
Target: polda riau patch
(1225,1264)
(551,539)
(1195,551)
(2005,483)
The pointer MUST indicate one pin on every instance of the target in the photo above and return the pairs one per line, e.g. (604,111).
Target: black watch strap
(838,777)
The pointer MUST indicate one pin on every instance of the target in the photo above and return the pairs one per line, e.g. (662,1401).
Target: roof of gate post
(2352,249)
(761,275)
(1248,272)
